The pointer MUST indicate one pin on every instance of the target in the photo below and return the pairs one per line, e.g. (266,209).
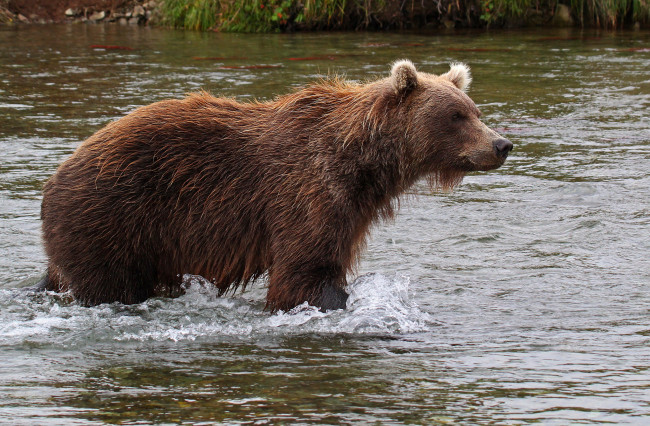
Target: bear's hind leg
(107,283)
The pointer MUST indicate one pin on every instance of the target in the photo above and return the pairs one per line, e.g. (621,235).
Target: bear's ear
(405,77)
(459,75)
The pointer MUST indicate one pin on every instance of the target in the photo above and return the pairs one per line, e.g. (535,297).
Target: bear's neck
(357,128)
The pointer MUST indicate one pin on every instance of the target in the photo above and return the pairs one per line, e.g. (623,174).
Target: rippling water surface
(524,296)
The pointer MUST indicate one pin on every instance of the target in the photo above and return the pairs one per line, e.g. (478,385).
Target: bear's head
(443,130)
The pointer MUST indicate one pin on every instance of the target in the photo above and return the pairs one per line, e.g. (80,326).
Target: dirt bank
(53,11)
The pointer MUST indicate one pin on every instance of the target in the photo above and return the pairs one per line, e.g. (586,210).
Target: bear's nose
(502,147)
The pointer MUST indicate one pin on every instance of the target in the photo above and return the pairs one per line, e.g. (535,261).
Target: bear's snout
(502,147)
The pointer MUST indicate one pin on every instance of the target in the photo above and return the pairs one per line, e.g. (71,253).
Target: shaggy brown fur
(227,190)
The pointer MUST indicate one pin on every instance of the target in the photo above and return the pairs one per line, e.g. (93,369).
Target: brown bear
(230,191)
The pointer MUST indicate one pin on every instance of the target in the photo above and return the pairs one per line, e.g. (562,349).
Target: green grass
(610,13)
(287,15)
(191,14)
(254,15)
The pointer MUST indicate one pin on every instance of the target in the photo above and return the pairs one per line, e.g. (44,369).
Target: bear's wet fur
(229,191)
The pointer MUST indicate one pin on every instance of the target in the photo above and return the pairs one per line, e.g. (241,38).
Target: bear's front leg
(332,298)
(319,285)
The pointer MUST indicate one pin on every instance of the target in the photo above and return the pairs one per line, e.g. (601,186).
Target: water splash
(377,305)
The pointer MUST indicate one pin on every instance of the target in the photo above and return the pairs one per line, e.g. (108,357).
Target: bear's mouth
(479,163)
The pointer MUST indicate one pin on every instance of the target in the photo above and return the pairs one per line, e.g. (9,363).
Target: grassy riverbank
(289,15)
(310,15)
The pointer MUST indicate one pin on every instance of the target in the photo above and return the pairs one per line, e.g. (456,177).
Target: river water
(523,296)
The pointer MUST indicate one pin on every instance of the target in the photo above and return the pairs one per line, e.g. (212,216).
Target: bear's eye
(457,116)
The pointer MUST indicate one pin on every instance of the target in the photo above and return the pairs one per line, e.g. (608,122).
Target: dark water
(522,297)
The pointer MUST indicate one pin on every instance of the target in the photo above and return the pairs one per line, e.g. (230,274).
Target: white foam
(377,305)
